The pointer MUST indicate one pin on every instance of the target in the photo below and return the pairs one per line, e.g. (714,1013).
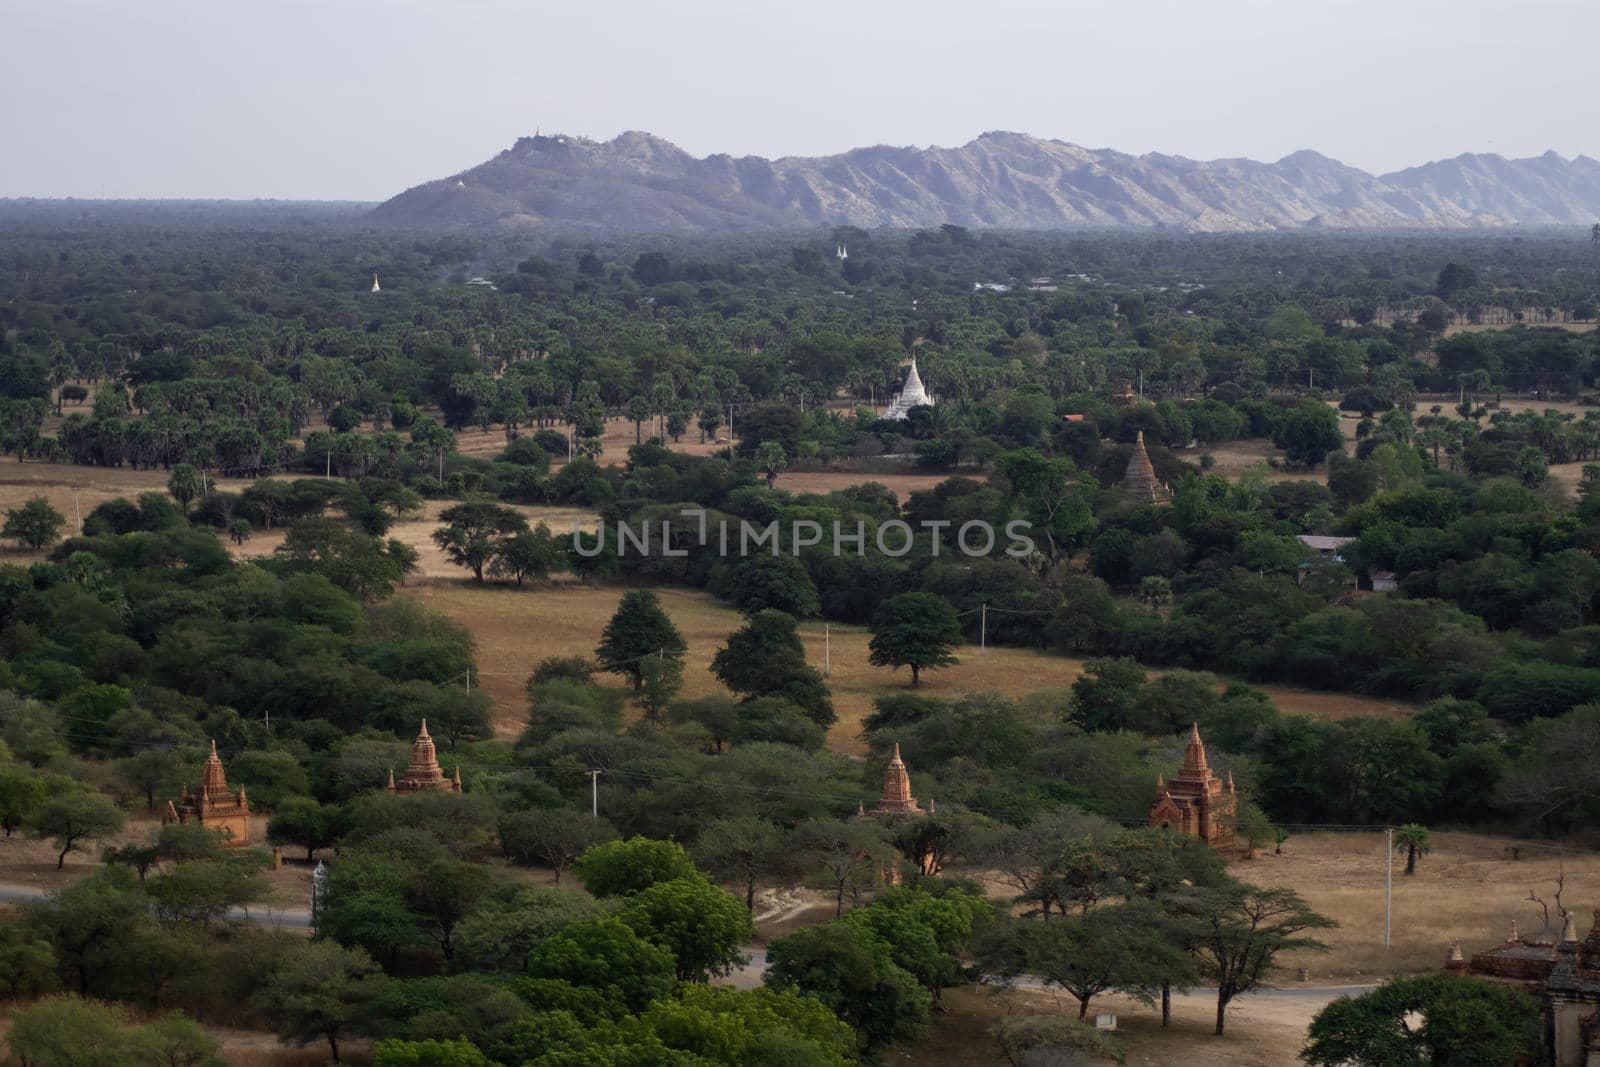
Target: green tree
(623,868)
(35,524)
(304,823)
(21,792)
(662,678)
(771,460)
(1308,432)
(150,770)
(69,1031)
(778,582)
(744,850)
(1112,948)
(850,970)
(638,628)
(459,1053)
(1414,840)
(1436,1018)
(1237,930)
(177,1041)
(605,955)
(551,837)
(702,926)
(533,554)
(850,854)
(476,534)
(1106,696)
(916,630)
(319,991)
(184,484)
(765,658)
(73,818)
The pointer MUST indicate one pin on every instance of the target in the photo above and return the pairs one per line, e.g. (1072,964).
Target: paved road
(284,918)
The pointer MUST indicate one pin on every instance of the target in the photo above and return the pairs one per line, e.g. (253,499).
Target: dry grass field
(1468,887)
(1262,1031)
(517,628)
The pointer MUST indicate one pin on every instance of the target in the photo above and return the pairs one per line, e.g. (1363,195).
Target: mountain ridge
(1000,178)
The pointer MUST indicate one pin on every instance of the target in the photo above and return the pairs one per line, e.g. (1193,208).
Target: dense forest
(339,369)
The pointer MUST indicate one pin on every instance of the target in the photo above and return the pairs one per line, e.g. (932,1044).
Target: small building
(424,773)
(911,395)
(1385,582)
(1564,975)
(1197,803)
(1139,480)
(1329,548)
(1042,285)
(213,805)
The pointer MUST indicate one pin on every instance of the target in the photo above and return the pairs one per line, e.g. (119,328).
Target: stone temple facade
(1197,803)
(213,805)
(911,395)
(1140,481)
(1564,975)
(424,772)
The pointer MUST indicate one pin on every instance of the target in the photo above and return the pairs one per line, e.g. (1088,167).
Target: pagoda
(214,805)
(424,773)
(1197,803)
(1140,481)
(911,395)
(375,287)
(896,801)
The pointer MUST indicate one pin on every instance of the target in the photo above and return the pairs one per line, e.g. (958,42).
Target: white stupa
(375,288)
(911,395)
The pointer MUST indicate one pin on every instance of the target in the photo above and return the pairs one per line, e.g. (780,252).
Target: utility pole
(594,795)
(1388,880)
(328,456)
(983,626)
(468,677)
(441,460)
(827,651)
(77,509)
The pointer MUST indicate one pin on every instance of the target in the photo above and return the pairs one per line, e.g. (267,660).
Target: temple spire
(1194,756)
(1140,480)
(896,798)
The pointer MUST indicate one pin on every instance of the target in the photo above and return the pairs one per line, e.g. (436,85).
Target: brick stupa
(1197,803)
(1140,481)
(424,772)
(214,805)
(896,801)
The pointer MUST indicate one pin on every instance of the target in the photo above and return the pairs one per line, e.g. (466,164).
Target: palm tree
(1415,839)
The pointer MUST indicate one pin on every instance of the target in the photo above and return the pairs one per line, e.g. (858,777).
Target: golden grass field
(515,628)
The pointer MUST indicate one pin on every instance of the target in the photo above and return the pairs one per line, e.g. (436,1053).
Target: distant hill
(640,182)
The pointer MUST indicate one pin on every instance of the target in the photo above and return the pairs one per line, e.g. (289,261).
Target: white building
(911,395)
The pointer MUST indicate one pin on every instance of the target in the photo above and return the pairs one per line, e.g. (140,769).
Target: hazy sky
(359,99)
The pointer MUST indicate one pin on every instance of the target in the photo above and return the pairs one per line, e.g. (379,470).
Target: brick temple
(1197,803)
(1564,975)
(896,801)
(1139,480)
(214,805)
(423,772)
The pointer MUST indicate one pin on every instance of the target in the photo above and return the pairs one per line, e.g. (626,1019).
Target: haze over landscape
(822,535)
(359,99)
